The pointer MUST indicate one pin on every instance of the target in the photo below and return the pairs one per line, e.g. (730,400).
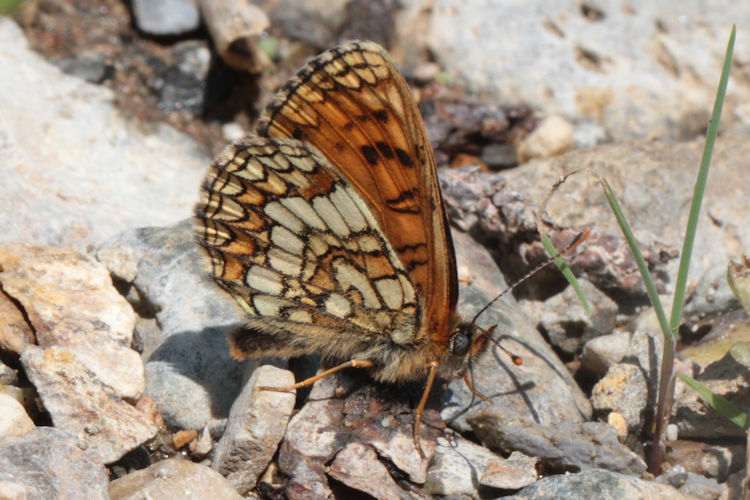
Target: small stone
(512,473)
(624,390)
(233,131)
(457,466)
(566,444)
(49,463)
(173,478)
(82,405)
(15,331)
(358,467)
(619,424)
(498,156)
(70,301)
(14,421)
(672,432)
(425,72)
(600,353)
(569,325)
(202,445)
(183,437)
(148,407)
(553,136)
(256,425)
(92,67)
(7,374)
(694,486)
(598,484)
(166,17)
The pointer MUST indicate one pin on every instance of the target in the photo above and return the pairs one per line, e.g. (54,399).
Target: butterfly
(327,226)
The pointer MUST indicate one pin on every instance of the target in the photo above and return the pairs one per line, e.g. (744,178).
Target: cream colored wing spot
(330,216)
(284,262)
(348,277)
(304,211)
(390,290)
(338,305)
(300,316)
(410,296)
(251,170)
(318,245)
(279,213)
(267,305)
(287,240)
(264,280)
(305,163)
(348,209)
(369,243)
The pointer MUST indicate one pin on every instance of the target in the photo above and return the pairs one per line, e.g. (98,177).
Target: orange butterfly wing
(353,105)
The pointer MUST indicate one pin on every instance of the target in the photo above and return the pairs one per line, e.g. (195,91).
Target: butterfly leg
(470,385)
(352,363)
(422,403)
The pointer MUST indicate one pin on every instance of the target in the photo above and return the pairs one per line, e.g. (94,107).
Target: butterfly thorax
(402,363)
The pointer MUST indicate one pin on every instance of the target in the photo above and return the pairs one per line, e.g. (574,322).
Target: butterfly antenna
(579,239)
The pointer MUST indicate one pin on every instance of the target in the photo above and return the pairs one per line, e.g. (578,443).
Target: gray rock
(568,325)
(82,405)
(7,374)
(512,473)
(202,445)
(49,463)
(69,300)
(713,460)
(643,175)
(599,484)
(15,331)
(14,421)
(711,298)
(566,444)
(256,425)
(358,467)
(492,208)
(625,70)
(600,353)
(166,17)
(458,467)
(694,486)
(311,22)
(623,389)
(92,67)
(110,173)
(189,371)
(173,478)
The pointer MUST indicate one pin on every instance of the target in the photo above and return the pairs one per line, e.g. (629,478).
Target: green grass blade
(8,6)
(718,403)
(653,295)
(700,186)
(567,272)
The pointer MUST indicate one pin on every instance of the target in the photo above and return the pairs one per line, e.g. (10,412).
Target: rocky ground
(115,375)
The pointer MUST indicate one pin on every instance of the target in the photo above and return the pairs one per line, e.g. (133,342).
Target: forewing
(299,250)
(355,107)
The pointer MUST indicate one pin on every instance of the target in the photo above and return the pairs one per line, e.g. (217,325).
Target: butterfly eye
(460,344)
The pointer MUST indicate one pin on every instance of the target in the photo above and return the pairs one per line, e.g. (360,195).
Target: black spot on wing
(385,149)
(370,154)
(404,203)
(381,115)
(404,158)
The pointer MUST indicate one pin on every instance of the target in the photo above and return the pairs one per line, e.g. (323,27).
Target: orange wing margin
(353,105)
